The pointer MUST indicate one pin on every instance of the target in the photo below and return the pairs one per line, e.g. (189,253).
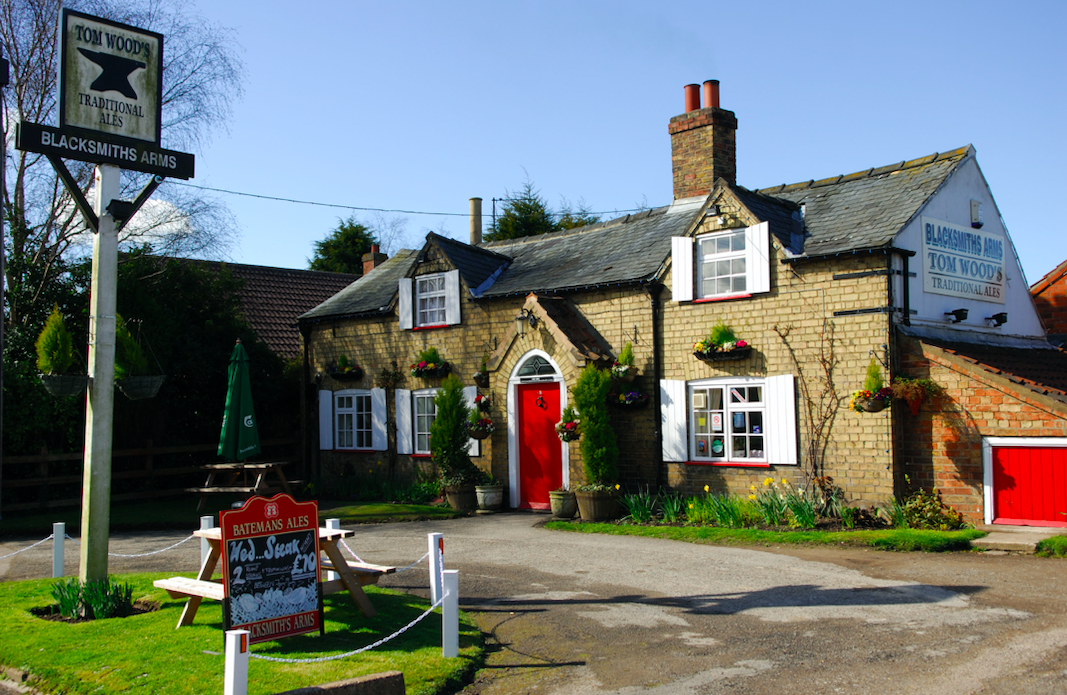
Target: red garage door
(1030,486)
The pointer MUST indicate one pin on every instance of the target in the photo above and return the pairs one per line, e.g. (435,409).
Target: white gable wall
(953,204)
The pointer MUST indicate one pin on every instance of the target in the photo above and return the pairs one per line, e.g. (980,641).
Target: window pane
(739,283)
(722,268)
(755,394)
(722,244)
(737,266)
(738,241)
(715,399)
(718,449)
(740,448)
(738,422)
(722,286)
(755,422)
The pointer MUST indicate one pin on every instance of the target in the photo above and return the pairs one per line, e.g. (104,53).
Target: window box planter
(138,388)
(350,374)
(739,353)
(65,385)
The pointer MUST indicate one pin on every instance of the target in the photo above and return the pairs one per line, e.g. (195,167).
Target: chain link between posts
(153,552)
(29,547)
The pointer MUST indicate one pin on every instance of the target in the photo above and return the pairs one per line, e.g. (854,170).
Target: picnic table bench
(352,575)
(223,478)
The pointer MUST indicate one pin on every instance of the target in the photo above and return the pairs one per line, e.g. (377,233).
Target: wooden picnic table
(352,576)
(223,477)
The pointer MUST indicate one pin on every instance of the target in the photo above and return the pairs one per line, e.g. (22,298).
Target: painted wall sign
(270,567)
(111,77)
(962,262)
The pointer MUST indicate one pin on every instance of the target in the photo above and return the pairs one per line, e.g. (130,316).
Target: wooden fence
(46,481)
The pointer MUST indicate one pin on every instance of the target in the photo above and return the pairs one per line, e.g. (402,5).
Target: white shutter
(758,257)
(673,415)
(780,397)
(404,430)
(326,420)
(682,268)
(404,305)
(469,393)
(379,437)
(452,297)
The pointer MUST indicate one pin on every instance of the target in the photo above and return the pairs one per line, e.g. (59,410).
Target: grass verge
(1056,546)
(145,653)
(887,539)
(180,513)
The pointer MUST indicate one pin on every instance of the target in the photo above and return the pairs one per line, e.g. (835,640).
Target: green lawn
(884,539)
(145,653)
(180,513)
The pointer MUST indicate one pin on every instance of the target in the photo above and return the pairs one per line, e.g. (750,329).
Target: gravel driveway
(586,614)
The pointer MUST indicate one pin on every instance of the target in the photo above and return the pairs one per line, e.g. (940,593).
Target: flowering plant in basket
(483,402)
(631,399)
(623,369)
(480,428)
(875,395)
(567,427)
(430,364)
(345,369)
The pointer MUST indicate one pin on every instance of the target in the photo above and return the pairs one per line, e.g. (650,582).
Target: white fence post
(450,616)
(436,543)
(332,524)
(59,534)
(206,522)
(236,674)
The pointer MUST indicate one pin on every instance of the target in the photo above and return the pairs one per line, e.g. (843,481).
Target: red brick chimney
(373,259)
(703,143)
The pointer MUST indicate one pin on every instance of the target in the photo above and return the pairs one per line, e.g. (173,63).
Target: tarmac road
(580,614)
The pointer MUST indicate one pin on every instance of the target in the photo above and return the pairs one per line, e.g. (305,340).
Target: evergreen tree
(600,451)
(342,250)
(525,214)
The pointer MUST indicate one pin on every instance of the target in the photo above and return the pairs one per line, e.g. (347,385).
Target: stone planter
(462,498)
(64,385)
(490,497)
(564,504)
(598,506)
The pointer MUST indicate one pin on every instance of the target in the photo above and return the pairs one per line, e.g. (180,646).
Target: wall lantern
(956,316)
(525,316)
(997,319)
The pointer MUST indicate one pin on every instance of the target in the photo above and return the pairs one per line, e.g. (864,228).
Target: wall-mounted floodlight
(956,316)
(997,320)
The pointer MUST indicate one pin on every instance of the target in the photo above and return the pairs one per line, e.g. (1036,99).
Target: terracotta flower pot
(462,497)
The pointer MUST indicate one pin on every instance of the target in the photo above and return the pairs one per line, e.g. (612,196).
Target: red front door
(1030,485)
(540,452)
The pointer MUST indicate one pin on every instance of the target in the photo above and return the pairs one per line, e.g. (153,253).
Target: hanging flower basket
(430,370)
(65,385)
(481,379)
(623,373)
(483,402)
(568,431)
(480,429)
(739,352)
(867,402)
(138,388)
(349,373)
(628,399)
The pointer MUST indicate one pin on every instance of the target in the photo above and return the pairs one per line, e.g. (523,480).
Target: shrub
(600,451)
(448,435)
(923,510)
(55,348)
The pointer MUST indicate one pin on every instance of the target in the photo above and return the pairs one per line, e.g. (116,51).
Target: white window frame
(687,264)
(353,413)
(408,301)
(438,315)
(705,258)
(779,426)
(732,388)
(416,396)
(329,432)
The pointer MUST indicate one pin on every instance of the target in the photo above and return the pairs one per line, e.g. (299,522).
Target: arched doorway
(537,460)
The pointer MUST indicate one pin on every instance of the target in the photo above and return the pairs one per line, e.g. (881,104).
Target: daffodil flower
(707,488)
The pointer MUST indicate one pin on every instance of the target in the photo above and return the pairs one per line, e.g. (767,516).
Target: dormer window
(728,265)
(429,301)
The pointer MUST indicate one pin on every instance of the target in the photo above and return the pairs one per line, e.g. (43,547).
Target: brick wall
(703,148)
(1050,297)
(941,447)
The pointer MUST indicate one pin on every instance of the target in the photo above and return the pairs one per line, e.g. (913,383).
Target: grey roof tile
(371,294)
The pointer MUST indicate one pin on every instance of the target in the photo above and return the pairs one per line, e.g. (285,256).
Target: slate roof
(867,209)
(475,264)
(1042,371)
(370,295)
(273,298)
(783,215)
(626,250)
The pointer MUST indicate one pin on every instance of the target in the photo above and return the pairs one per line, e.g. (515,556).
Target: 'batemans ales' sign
(270,568)
(962,261)
(111,77)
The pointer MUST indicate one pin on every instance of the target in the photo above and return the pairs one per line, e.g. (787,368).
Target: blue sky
(420,106)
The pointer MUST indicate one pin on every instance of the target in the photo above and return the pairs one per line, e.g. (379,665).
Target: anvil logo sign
(115,72)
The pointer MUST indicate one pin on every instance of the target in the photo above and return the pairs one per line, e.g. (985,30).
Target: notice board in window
(270,568)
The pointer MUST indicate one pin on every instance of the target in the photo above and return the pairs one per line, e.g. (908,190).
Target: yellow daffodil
(707,488)
(690,505)
(784,482)
(767,482)
(616,486)
(752,497)
(752,488)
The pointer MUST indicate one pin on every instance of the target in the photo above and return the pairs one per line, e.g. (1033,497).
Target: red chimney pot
(692,97)
(711,94)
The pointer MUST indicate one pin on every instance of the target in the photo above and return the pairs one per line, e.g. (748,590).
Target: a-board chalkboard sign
(270,568)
